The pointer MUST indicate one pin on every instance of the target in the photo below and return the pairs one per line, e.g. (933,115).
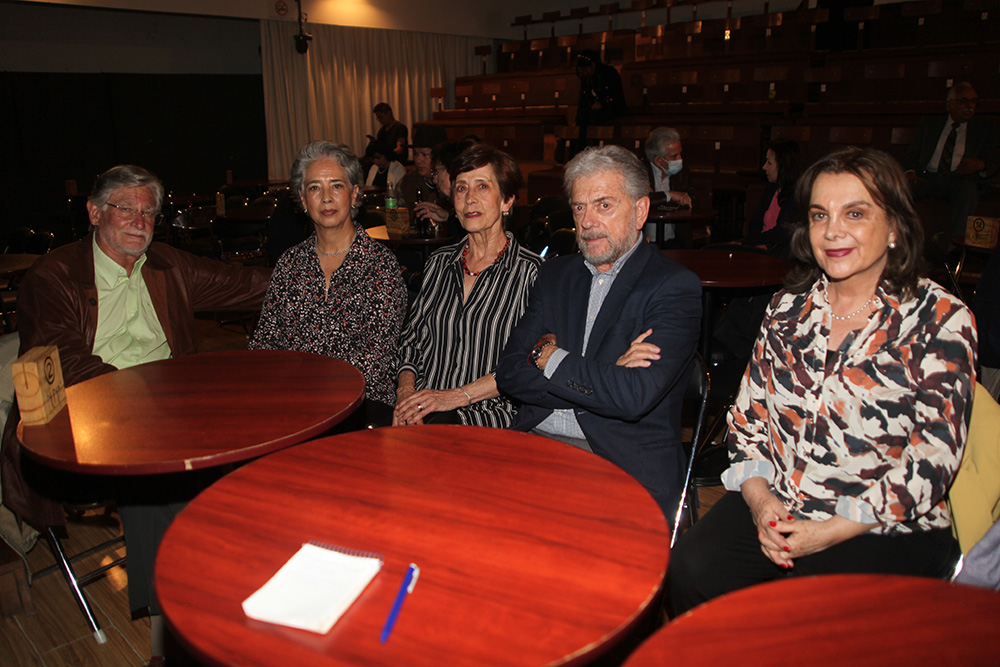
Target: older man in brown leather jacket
(115,300)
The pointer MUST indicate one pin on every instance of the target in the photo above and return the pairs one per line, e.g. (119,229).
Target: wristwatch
(536,353)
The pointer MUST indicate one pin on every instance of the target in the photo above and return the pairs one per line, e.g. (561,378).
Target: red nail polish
(790,517)
(773,524)
(786,548)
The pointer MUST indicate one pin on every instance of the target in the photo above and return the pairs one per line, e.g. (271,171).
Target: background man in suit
(601,357)
(952,156)
(664,151)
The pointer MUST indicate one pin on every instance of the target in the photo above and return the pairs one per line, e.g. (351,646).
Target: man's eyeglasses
(128,213)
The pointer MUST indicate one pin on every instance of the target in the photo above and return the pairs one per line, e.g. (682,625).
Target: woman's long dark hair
(883,179)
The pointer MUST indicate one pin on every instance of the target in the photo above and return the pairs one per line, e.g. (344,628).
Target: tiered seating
(729,85)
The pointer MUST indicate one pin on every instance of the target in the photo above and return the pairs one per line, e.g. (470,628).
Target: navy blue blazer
(980,143)
(631,416)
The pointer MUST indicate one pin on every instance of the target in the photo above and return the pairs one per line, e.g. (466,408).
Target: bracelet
(466,394)
(536,353)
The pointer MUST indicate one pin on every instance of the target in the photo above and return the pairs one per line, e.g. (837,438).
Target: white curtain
(328,93)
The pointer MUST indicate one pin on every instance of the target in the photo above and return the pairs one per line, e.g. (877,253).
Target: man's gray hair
(125,176)
(609,158)
(324,150)
(656,144)
(953,91)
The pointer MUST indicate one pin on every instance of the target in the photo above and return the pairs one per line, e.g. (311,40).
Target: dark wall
(189,129)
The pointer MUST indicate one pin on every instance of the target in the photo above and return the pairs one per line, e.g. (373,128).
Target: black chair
(695,396)
(192,230)
(548,215)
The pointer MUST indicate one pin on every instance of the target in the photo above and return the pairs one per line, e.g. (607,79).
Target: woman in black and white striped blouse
(472,295)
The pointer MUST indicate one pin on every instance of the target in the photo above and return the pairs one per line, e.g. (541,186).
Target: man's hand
(639,354)
(427,210)
(682,198)
(970,165)
(546,351)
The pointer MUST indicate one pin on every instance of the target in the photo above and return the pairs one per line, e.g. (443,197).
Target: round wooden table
(855,619)
(530,551)
(727,268)
(732,268)
(14,264)
(195,412)
(664,215)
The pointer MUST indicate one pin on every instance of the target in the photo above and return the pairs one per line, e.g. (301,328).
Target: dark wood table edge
(650,611)
(198,463)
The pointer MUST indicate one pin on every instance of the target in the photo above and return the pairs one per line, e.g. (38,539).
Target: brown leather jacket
(57,305)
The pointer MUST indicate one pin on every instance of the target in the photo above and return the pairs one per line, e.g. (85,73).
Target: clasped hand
(412,406)
(783,538)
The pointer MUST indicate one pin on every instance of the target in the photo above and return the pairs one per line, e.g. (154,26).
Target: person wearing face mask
(663,151)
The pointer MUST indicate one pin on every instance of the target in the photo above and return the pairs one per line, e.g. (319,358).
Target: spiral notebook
(314,588)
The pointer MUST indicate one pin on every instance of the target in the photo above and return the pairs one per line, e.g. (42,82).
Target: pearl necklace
(843,318)
(333,254)
(465,252)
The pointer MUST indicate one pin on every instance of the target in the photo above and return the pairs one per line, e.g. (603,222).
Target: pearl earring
(892,245)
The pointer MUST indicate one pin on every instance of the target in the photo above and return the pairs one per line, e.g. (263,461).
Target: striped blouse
(872,431)
(448,342)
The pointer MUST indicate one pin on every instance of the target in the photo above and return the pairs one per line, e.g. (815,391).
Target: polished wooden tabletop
(834,620)
(13,264)
(531,552)
(732,268)
(195,412)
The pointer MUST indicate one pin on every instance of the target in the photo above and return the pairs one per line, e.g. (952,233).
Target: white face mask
(674,167)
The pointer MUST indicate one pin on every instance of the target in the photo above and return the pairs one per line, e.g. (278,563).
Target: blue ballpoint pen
(409,581)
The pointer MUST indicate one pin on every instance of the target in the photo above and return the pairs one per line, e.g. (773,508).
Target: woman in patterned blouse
(851,419)
(338,293)
(473,294)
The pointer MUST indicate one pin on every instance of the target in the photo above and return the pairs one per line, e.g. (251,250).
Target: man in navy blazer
(974,156)
(601,357)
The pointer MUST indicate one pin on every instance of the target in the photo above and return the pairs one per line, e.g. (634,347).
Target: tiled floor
(57,635)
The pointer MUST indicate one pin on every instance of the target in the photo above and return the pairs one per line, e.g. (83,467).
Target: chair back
(695,395)
(975,494)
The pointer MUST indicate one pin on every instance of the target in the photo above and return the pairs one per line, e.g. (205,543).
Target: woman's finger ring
(419,407)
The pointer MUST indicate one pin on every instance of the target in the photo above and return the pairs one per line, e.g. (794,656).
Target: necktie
(948,150)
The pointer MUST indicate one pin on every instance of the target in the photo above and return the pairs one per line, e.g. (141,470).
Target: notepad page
(313,589)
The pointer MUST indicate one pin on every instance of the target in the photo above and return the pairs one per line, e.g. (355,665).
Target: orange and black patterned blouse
(872,431)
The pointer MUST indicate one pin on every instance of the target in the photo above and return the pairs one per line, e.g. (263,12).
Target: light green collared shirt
(128,331)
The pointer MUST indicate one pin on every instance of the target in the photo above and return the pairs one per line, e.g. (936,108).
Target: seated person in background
(472,295)
(664,152)
(338,293)
(442,158)
(602,97)
(953,156)
(852,416)
(737,328)
(418,185)
(391,132)
(776,210)
(384,169)
(602,356)
(115,300)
